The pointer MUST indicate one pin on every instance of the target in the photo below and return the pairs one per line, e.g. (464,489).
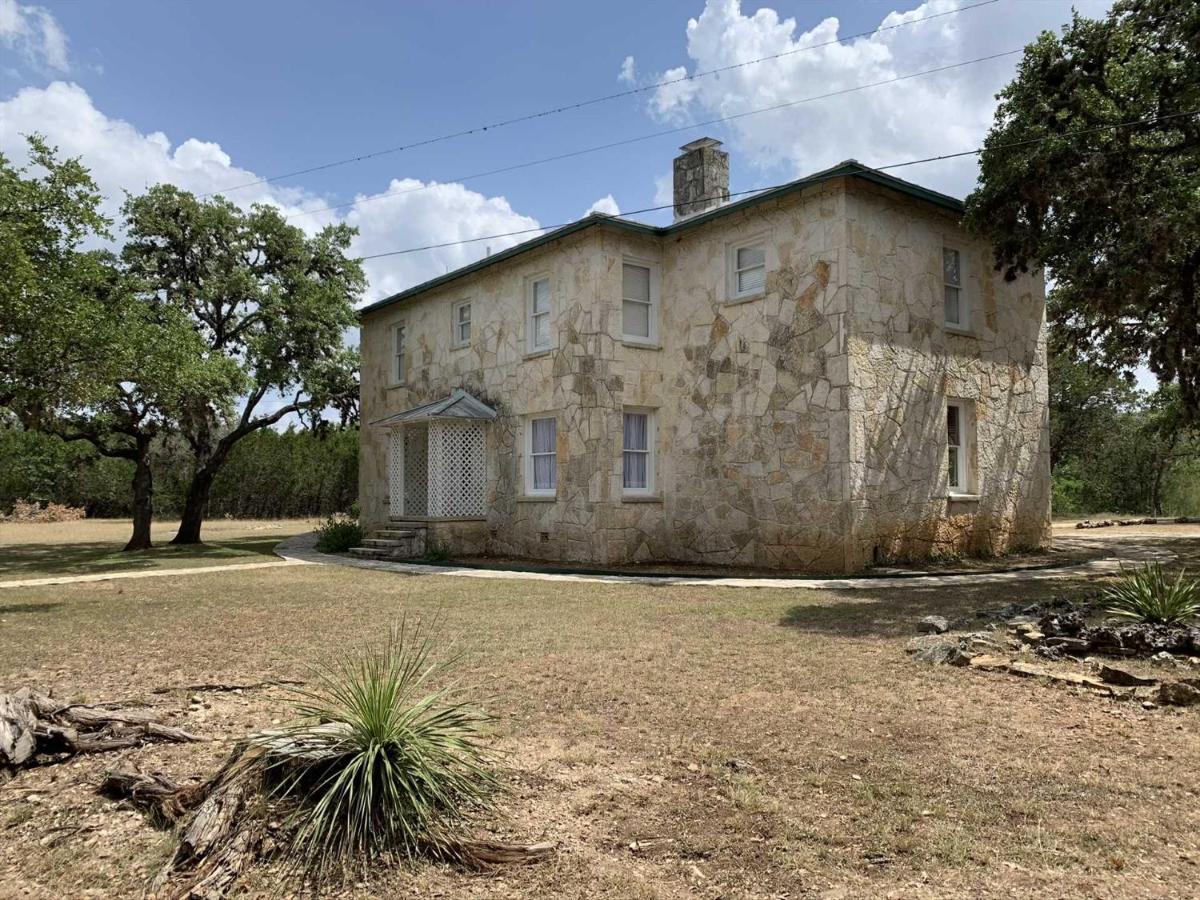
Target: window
(955,301)
(638,303)
(461,322)
(400,361)
(539,314)
(541,468)
(957,422)
(638,453)
(747,271)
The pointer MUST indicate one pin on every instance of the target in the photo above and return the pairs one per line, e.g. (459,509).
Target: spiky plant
(1149,595)
(382,765)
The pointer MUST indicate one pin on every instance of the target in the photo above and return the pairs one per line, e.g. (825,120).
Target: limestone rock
(1113,675)
(933,625)
(1178,693)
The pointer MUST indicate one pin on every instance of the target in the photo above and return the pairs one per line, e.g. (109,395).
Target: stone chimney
(701,178)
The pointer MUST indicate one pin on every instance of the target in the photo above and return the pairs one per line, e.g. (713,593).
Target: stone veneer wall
(766,455)
(905,365)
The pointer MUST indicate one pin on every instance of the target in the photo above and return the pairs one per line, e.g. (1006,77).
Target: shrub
(1148,595)
(383,765)
(338,534)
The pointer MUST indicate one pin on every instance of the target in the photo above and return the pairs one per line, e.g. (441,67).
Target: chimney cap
(700,144)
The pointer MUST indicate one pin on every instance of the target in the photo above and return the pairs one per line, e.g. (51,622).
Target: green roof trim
(848,169)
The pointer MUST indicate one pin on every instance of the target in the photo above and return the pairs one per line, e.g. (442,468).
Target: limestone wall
(904,367)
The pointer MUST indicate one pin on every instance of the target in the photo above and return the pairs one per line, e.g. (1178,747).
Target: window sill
(955,497)
(460,347)
(961,332)
(396,384)
(640,345)
(747,298)
(641,498)
(537,498)
(536,354)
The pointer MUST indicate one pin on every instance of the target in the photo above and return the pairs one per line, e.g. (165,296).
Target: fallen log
(35,729)
(165,800)
(215,687)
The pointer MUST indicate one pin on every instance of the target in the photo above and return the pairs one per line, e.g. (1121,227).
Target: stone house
(818,377)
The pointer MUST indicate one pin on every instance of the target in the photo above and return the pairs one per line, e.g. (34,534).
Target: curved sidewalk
(301,548)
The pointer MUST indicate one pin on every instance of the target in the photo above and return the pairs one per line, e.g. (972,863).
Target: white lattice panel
(416,469)
(396,473)
(457,470)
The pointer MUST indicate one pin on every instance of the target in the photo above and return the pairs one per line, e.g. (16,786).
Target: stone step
(393,534)
(370,553)
(384,543)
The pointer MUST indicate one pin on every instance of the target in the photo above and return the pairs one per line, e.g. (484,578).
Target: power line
(899,165)
(656,134)
(479,129)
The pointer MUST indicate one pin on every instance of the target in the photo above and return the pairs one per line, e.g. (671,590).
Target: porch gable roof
(459,405)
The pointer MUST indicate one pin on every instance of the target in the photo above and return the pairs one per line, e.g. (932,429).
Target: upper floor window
(639,303)
(461,322)
(747,271)
(958,425)
(399,360)
(541,454)
(952,285)
(539,314)
(637,466)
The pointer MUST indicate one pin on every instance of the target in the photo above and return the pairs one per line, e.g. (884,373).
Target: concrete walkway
(151,573)
(301,548)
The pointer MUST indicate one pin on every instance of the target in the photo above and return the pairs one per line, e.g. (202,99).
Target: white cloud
(606,205)
(122,158)
(664,189)
(628,71)
(35,33)
(919,117)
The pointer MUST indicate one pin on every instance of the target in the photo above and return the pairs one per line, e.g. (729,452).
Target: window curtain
(636,450)
(544,439)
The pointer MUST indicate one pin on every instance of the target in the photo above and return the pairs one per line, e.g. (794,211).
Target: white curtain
(545,468)
(636,456)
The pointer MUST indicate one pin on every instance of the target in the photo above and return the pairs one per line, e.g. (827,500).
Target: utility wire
(899,165)
(479,129)
(656,134)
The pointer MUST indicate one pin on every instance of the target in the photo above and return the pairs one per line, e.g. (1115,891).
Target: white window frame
(456,338)
(650,451)
(964,305)
(530,489)
(731,256)
(531,344)
(399,353)
(964,484)
(652,312)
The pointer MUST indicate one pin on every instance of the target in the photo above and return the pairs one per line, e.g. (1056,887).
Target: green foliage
(384,763)
(1148,595)
(271,474)
(436,552)
(1113,448)
(338,534)
(261,296)
(1111,212)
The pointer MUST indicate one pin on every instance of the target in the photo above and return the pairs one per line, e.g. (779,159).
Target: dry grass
(92,546)
(858,772)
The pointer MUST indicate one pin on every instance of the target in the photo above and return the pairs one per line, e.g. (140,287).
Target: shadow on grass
(895,613)
(18,561)
(7,608)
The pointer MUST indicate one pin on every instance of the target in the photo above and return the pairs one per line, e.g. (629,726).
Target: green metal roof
(849,168)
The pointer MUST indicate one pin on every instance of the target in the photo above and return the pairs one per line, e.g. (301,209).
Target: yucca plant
(1148,595)
(382,764)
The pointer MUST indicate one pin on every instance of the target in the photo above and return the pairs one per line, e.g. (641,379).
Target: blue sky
(211,95)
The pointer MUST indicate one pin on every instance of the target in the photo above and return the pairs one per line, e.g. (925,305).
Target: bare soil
(748,743)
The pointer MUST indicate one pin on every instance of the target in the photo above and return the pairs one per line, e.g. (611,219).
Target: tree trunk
(195,503)
(143,496)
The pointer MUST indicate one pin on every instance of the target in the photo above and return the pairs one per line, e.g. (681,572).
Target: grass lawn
(93,546)
(780,740)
